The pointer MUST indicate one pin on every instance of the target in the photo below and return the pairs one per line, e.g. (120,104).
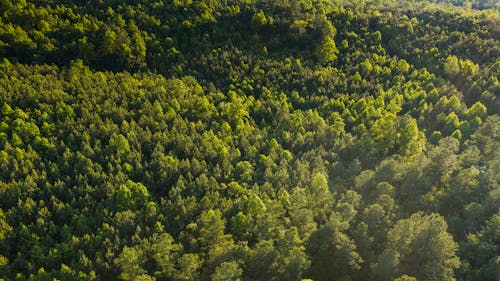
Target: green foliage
(480,252)
(259,19)
(452,66)
(406,278)
(421,247)
(129,263)
(319,183)
(332,252)
(249,140)
(131,195)
(403,66)
(229,271)
(166,253)
(327,51)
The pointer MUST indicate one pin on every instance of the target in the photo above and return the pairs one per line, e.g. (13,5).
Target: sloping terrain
(249,140)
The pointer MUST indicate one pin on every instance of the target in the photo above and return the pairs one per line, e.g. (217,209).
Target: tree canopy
(249,140)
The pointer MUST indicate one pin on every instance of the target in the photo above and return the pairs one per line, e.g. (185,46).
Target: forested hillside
(249,140)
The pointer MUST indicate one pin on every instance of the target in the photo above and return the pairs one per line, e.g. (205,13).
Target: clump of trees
(249,140)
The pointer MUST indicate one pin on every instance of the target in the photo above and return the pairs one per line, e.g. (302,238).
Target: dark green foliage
(249,140)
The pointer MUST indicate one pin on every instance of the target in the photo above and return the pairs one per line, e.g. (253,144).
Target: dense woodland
(249,140)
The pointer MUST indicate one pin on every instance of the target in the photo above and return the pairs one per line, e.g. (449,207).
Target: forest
(246,140)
